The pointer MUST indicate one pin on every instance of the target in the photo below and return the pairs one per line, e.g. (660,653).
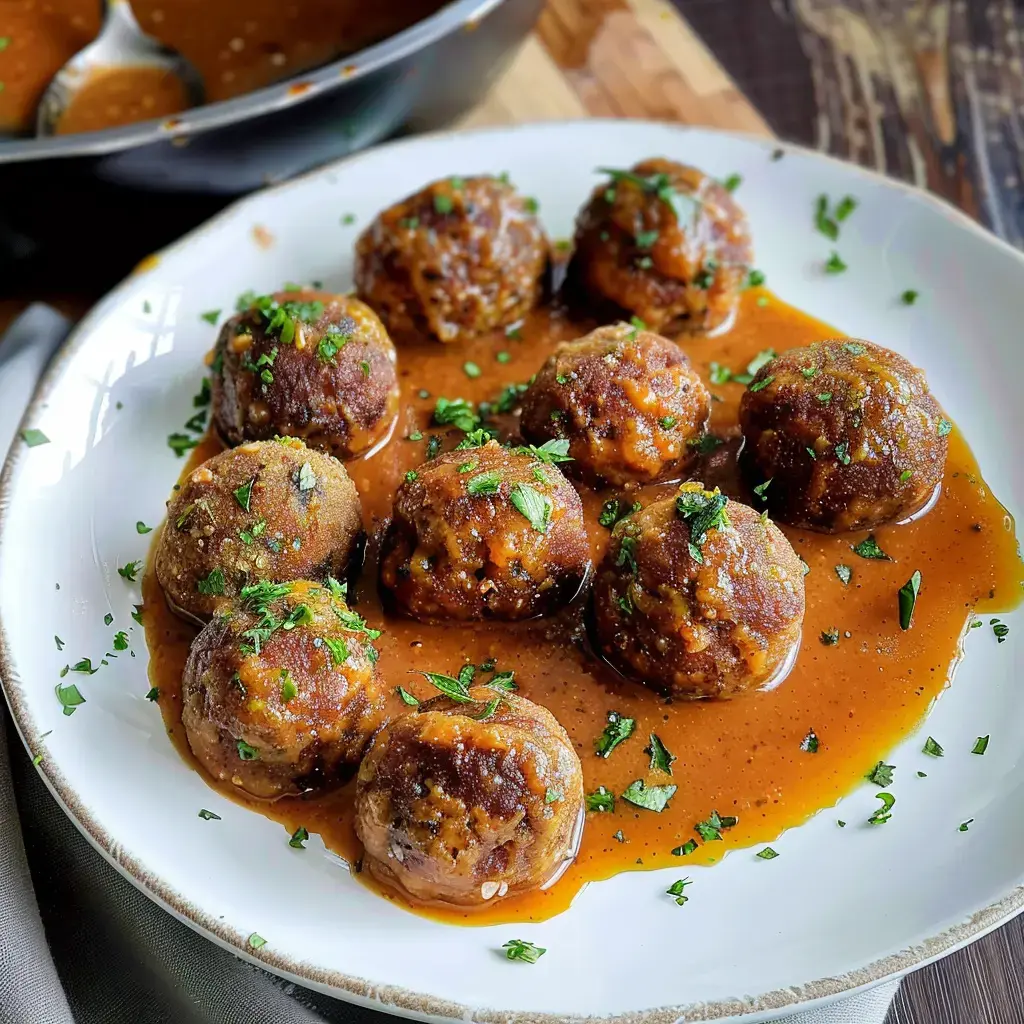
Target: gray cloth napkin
(78,943)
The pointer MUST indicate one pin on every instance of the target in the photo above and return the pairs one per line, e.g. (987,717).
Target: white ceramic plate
(842,909)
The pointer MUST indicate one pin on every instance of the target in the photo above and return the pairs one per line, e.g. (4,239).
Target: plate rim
(397,999)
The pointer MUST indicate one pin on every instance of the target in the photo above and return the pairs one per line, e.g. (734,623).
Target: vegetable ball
(462,257)
(305,364)
(842,435)
(664,242)
(699,596)
(485,532)
(469,801)
(281,692)
(626,400)
(269,510)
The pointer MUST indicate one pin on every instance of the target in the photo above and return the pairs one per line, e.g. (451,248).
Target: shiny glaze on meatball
(848,434)
(664,242)
(281,692)
(485,533)
(626,400)
(306,364)
(268,510)
(461,257)
(466,803)
(698,596)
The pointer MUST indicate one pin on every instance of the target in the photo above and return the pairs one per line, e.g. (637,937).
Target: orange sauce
(236,47)
(740,757)
(119,96)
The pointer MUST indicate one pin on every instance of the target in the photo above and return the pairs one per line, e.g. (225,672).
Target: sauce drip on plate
(744,757)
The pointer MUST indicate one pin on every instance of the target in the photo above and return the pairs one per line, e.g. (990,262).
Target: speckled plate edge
(399,1000)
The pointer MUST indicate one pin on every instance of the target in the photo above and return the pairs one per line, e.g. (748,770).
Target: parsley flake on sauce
(553,451)
(881,774)
(932,748)
(552,796)
(615,732)
(601,800)
(527,952)
(845,574)
(533,505)
(661,759)
(613,510)
(761,489)
(945,427)
(650,798)
(908,599)
(829,637)
(686,849)
(710,830)
(243,495)
(484,484)
(809,744)
(868,548)
(676,890)
(449,686)
(406,697)
(883,813)
(213,585)
(307,478)
(760,385)
(980,745)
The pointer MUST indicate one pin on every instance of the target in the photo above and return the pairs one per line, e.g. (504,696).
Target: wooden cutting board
(616,58)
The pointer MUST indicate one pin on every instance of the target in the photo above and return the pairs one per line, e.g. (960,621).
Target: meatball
(699,596)
(485,532)
(664,242)
(626,400)
(306,364)
(269,510)
(842,435)
(281,692)
(462,257)
(469,802)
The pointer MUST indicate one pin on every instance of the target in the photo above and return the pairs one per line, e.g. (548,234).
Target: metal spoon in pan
(120,44)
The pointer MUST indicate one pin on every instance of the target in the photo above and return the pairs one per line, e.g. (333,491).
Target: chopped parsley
(676,891)
(881,774)
(407,697)
(154,693)
(845,574)
(755,278)
(613,510)
(208,815)
(661,759)
(767,853)
(452,688)
(932,748)
(601,800)
(710,830)
(1000,630)
(552,796)
(330,345)
(834,264)
(246,752)
(650,798)
(484,484)
(809,744)
(213,585)
(298,838)
(411,476)
(615,732)
(733,182)
(243,495)
(686,849)
(533,505)
(307,478)
(457,412)
(211,317)
(683,206)
(761,489)
(69,696)
(289,691)
(121,641)
(553,451)
(868,548)
(908,599)
(883,813)
(59,642)
(471,370)
(842,451)
(141,527)
(645,239)
(829,637)
(130,571)
(944,427)
(705,444)
(760,385)
(980,745)
(909,297)
(181,443)
(256,941)
(33,437)
(527,952)
(964,825)
(702,511)
(667,422)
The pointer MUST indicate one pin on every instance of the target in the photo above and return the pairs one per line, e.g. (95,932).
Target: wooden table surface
(928,90)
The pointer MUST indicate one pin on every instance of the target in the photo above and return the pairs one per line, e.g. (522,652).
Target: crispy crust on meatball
(306,364)
(268,510)
(454,809)
(485,533)
(848,433)
(696,616)
(626,400)
(281,692)
(459,258)
(664,242)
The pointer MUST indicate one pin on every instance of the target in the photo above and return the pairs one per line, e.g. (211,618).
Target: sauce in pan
(235,47)
(740,757)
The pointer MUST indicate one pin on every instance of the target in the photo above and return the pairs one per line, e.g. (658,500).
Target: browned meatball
(664,242)
(462,257)
(485,533)
(306,364)
(467,802)
(281,692)
(626,400)
(842,435)
(699,596)
(269,510)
